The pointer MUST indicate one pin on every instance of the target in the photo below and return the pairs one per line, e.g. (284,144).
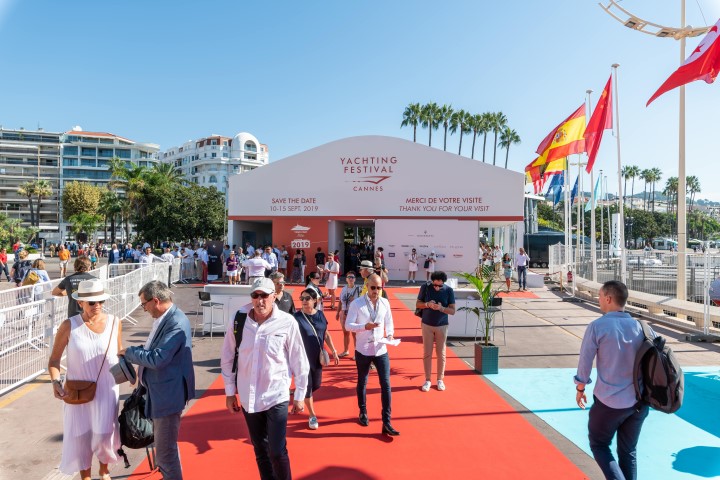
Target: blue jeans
(522,277)
(604,422)
(166,447)
(268,435)
(382,363)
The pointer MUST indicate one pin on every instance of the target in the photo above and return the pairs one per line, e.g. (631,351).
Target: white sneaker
(425,387)
(313,423)
(441,385)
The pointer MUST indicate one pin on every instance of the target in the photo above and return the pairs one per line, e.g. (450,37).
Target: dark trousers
(4,269)
(603,424)
(522,277)
(267,434)
(382,363)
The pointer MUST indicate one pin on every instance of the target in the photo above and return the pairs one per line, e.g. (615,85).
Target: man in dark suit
(166,370)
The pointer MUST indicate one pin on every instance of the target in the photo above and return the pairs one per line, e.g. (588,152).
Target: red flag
(702,64)
(600,121)
(567,137)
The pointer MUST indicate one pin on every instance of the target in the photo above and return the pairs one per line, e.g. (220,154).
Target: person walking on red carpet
(270,350)
(369,315)
(615,339)
(437,301)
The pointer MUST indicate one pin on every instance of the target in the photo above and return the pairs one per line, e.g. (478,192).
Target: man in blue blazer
(166,370)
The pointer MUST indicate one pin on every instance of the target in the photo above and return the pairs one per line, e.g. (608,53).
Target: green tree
(43,189)
(84,223)
(80,197)
(646,176)
(655,176)
(499,121)
(110,208)
(411,118)
(11,229)
(508,137)
(446,112)
(692,184)
(430,118)
(459,121)
(476,125)
(27,189)
(168,172)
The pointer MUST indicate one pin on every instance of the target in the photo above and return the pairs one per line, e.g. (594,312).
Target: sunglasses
(306,298)
(350,277)
(437,286)
(142,304)
(374,287)
(92,304)
(255,295)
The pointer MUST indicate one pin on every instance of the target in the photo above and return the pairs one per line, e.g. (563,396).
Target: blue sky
(300,74)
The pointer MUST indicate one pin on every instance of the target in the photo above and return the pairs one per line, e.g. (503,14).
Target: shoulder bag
(78,392)
(324,357)
(423,295)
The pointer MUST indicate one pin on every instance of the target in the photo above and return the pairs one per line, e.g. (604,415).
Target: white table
(232,297)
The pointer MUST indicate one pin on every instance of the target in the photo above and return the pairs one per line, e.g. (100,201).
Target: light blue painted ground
(680,446)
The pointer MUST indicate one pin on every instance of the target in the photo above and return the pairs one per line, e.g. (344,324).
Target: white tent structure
(413,195)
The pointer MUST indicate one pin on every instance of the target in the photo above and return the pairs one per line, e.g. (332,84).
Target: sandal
(344,354)
(105,476)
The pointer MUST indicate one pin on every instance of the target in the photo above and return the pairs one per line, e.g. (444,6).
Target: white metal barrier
(30,316)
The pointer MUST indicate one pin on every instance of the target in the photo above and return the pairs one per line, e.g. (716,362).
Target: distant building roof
(82,133)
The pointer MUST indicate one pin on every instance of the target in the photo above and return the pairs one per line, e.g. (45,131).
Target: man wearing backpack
(615,339)
(21,267)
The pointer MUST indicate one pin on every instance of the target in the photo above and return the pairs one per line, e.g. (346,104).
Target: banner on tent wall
(301,233)
(455,243)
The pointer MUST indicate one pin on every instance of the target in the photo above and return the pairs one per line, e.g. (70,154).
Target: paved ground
(541,333)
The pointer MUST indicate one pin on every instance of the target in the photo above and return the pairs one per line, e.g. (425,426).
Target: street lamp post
(680,33)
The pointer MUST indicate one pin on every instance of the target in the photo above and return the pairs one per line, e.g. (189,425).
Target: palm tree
(110,208)
(693,187)
(670,191)
(499,121)
(633,171)
(168,172)
(475,125)
(485,129)
(508,137)
(460,120)
(84,222)
(446,112)
(646,176)
(131,180)
(430,117)
(655,176)
(43,189)
(27,189)
(411,117)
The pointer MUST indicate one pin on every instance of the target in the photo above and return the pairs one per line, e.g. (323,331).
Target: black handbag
(427,263)
(423,294)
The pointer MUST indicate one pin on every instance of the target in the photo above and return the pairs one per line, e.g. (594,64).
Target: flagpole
(681,202)
(593,248)
(577,227)
(566,208)
(621,212)
(602,217)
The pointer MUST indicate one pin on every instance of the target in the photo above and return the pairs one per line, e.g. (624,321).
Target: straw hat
(123,371)
(90,291)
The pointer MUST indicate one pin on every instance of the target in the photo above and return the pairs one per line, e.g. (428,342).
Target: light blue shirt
(614,338)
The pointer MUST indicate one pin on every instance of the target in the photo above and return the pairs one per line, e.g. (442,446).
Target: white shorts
(232,273)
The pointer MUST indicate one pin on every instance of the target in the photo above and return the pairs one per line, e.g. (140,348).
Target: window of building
(86,162)
(225,143)
(89,140)
(89,152)
(248,156)
(105,152)
(107,141)
(214,155)
(250,146)
(204,155)
(89,174)
(103,163)
(226,155)
(213,179)
(121,153)
(70,150)
(143,164)
(70,162)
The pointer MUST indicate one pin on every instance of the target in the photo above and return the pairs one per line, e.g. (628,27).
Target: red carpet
(467,431)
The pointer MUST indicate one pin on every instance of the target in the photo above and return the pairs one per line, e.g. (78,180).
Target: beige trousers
(434,336)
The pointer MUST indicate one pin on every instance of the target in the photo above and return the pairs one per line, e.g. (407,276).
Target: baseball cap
(264,285)
(366,264)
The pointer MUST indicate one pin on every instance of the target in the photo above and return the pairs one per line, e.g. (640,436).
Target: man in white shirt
(256,267)
(167,256)
(497,255)
(522,260)
(148,257)
(368,316)
(249,249)
(271,350)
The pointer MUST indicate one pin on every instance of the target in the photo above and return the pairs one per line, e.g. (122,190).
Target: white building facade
(212,160)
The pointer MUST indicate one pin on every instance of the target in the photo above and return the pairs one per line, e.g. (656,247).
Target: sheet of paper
(394,342)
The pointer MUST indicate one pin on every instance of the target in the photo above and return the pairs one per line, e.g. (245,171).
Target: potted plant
(486,354)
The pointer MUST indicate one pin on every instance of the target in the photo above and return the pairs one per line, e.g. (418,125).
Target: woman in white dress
(412,266)
(332,269)
(89,429)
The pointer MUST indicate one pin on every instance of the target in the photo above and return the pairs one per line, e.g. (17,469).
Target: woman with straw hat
(93,339)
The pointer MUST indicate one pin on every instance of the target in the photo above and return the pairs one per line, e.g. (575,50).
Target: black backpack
(136,431)
(238,326)
(21,270)
(658,378)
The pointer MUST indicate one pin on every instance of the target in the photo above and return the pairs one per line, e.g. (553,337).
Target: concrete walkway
(541,333)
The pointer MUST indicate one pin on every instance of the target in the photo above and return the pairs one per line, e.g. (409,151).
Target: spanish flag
(565,139)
